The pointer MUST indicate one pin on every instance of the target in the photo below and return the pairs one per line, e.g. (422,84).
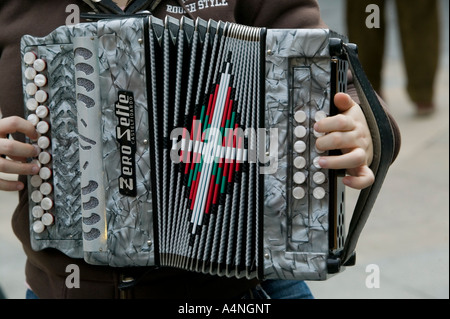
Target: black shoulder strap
(383,149)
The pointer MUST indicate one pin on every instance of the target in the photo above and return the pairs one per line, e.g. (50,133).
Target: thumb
(343,102)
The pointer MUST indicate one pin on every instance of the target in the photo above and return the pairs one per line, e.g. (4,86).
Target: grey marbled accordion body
(87,67)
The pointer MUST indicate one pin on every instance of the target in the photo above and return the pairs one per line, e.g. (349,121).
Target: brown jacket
(46,270)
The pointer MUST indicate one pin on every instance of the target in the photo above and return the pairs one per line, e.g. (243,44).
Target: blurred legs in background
(418,23)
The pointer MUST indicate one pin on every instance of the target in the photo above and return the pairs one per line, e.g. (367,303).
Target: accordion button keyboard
(35,89)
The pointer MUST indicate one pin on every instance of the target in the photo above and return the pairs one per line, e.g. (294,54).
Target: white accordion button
(300,162)
(30,74)
(316,162)
(46,204)
(45,173)
(29,58)
(32,105)
(36,181)
(318,151)
(319,193)
(41,96)
(43,142)
(38,227)
(40,80)
(320,115)
(300,116)
(299,178)
(36,196)
(46,189)
(42,127)
(47,219)
(298,193)
(37,212)
(42,110)
(300,131)
(36,162)
(33,119)
(319,178)
(300,146)
(39,65)
(31,89)
(317,134)
(44,158)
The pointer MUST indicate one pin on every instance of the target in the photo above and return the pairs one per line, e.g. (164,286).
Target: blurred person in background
(418,23)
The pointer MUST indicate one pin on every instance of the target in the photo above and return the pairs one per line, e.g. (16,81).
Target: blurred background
(406,238)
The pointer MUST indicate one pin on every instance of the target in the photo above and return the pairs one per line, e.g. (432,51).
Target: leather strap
(383,149)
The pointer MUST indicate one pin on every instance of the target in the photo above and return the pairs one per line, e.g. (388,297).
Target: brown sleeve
(279,13)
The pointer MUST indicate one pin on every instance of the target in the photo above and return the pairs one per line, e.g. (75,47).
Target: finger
(13,148)
(10,167)
(11,186)
(352,159)
(335,123)
(338,122)
(361,178)
(18,159)
(15,124)
(336,141)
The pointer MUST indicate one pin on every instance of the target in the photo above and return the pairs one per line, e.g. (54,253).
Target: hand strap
(383,149)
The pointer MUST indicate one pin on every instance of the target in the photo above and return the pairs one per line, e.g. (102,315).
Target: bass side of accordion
(186,144)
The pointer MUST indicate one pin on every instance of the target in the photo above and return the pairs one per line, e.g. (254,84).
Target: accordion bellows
(185,144)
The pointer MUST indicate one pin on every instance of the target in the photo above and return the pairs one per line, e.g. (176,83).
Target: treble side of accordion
(102,192)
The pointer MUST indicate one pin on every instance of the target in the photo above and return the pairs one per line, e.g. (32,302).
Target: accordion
(190,144)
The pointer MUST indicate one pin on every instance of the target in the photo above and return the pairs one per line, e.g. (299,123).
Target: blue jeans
(268,289)
(280,289)
(30,295)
